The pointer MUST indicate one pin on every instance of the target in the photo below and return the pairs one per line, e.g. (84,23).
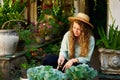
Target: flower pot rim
(4,30)
(108,50)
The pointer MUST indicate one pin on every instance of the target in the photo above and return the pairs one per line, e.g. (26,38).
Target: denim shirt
(64,50)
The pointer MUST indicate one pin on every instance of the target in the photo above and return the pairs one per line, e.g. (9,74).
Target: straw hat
(82,17)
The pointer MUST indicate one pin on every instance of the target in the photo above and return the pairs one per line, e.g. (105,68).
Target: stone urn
(110,61)
(8,42)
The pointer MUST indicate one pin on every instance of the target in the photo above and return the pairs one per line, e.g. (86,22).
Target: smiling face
(77,29)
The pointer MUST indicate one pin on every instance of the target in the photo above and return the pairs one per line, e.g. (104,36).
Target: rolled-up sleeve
(91,49)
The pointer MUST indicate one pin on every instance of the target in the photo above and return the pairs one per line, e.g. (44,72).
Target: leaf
(80,72)
(45,73)
(111,40)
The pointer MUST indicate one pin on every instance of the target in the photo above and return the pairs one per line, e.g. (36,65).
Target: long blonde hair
(83,39)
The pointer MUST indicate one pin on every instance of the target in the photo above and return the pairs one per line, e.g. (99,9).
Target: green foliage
(45,73)
(54,15)
(80,72)
(11,18)
(74,73)
(26,65)
(21,27)
(25,32)
(110,41)
(26,36)
(11,11)
(53,48)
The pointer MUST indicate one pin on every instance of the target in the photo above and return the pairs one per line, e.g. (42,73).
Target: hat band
(83,19)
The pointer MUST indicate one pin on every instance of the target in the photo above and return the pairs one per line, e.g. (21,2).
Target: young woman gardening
(78,43)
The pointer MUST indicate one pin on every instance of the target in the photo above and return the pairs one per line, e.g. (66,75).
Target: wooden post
(28,11)
(76,6)
(83,6)
(33,12)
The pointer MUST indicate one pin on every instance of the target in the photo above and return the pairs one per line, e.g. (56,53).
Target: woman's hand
(68,64)
(61,60)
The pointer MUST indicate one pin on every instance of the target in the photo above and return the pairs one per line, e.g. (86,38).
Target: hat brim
(71,19)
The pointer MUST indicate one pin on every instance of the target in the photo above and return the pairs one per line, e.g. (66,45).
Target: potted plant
(45,73)
(109,48)
(81,72)
(11,10)
(9,13)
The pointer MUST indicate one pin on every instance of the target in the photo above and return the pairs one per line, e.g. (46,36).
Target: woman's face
(77,29)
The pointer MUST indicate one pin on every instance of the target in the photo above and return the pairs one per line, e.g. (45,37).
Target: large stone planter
(110,61)
(8,42)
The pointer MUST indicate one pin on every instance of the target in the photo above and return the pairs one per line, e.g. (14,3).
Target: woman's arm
(64,46)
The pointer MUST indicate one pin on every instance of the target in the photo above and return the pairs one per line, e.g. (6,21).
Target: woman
(78,43)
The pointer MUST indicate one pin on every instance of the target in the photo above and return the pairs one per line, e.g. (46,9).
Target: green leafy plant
(74,73)
(110,41)
(52,48)
(22,28)
(81,72)
(24,66)
(25,35)
(45,73)
(11,17)
(11,10)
